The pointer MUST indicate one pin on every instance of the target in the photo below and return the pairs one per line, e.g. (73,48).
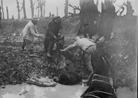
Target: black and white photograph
(68,48)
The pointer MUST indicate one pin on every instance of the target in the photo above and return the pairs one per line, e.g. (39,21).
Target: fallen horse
(68,78)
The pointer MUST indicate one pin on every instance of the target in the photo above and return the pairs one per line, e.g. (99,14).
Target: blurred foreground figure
(100,80)
(29,33)
(54,32)
(87,46)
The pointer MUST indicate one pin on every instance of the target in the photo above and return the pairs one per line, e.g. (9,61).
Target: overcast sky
(51,6)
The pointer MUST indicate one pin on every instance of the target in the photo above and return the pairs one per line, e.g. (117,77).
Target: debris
(22,93)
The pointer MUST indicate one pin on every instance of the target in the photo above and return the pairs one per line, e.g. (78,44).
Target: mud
(32,91)
(60,91)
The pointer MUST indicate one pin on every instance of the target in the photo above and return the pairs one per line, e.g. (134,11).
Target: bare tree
(12,16)
(50,14)
(57,11)
(106,22)
(24,10)
(0,19)
(66,8)
(44,8)
(89,15)
(130,10)
(32,7)
(41,8)
(18,8)
(74,10)
(38,7)
(2,8)
(7,12)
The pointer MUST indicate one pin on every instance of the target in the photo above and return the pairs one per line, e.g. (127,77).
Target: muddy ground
(16,66)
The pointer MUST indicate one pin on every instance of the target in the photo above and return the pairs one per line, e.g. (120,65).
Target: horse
(99,81)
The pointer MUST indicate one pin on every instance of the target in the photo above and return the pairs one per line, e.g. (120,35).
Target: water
(32,91)
(60,91)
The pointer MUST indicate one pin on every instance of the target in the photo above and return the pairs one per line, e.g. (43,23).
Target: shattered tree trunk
(7,12)
(41,9)
(130,10)
(12,16)
(32,8)
(44,9)
(38,8)
(57,11)
(74,10)
(88,15)
(0,18)
(24,10)
(50,14)
(2,8)
(107,18)
(18,9)
(66,8)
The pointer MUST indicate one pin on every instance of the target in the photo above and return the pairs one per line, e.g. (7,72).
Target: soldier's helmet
(35,18)
(57,19)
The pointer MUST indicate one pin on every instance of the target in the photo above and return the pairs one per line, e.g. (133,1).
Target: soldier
(54,31)
(29,33)
(87,46)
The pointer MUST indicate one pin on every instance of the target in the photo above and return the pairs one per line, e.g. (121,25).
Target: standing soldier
(54,31)
(29,33)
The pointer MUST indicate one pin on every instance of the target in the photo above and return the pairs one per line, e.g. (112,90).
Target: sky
(51,6)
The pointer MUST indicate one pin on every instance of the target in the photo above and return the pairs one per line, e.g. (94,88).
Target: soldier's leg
(29,45)
(87,58)
(23,44)
(46,44)
(51,44)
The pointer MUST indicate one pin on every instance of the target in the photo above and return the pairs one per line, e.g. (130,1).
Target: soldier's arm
(33,32)
(70,46)
(36,30)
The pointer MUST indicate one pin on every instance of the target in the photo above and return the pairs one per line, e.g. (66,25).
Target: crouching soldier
(54,31)
(87,46)
(29,33)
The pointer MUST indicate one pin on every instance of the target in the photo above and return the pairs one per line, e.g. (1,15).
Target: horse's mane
(99,63)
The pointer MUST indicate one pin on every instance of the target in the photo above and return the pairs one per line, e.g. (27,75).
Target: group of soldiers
(85,39)
(54,31)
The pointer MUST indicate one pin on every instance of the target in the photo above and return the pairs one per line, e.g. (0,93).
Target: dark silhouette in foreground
(99,85)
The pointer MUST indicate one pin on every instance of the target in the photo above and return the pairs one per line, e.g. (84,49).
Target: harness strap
(90,95)
(100,76)
(93,92)
(95,80)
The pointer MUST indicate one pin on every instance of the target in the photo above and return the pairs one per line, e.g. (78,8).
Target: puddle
(32,91)
(59,91)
